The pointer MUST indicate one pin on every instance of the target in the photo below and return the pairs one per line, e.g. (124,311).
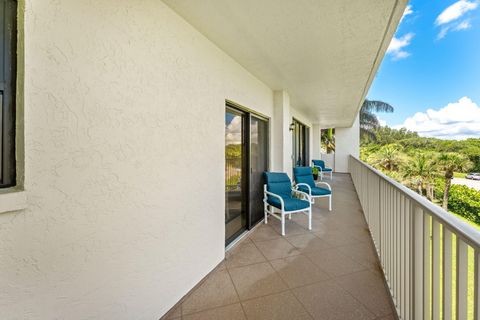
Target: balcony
(331,272)
(398,257)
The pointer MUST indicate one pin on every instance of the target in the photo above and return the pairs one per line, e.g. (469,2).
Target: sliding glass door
(246,159)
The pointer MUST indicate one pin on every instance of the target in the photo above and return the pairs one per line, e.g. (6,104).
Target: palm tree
(368,119)
(421,169)
(387,158)
(328,139)
(448,164)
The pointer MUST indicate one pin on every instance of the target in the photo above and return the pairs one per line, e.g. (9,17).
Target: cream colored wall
(347,142)
(124,161)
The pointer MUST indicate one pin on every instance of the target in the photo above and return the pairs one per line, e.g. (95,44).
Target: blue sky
(433,63)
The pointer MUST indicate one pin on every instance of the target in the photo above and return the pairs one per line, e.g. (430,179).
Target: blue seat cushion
(304,175)
(278,183)
(291,204)
(321,164)
(316,191)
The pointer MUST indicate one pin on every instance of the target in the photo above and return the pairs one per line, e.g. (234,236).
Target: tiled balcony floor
(330,272)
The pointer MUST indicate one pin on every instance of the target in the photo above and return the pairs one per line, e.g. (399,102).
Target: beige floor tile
(231,312)
(291,227)
(336,237)
(278,248)
(333,262)
(368,288)
(389,317)
(264,232)
(246,253)
(217,290)
(298,271)
(256,280)
(282,306)
(221,266)
(173,314)
(362,253)
(308,242)
(327,300)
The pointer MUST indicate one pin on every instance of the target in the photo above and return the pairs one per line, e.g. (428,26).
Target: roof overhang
(325,54)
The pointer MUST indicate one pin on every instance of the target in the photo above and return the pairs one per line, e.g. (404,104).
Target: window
(8,35)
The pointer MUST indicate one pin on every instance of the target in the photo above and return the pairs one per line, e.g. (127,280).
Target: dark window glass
(8,34)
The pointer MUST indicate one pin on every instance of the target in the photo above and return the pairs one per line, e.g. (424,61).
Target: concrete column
(316,142)
(347,142)
(282,137)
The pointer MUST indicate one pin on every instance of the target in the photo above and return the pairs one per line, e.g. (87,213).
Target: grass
(459,175)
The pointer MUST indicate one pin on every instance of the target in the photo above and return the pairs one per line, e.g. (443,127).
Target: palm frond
(377,106)
(368,120)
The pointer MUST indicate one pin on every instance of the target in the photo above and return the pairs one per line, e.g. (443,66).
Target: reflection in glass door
(258,165)
(300,144)
(235,164)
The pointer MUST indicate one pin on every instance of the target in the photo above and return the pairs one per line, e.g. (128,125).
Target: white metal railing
(430,258)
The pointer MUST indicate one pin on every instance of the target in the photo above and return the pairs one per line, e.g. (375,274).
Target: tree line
(426,165)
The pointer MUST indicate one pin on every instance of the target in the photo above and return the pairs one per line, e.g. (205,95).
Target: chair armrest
(306,195)
(306,185)
(319,168)
(282,204)
(321,182)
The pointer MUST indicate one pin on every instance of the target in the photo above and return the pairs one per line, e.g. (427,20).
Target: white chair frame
(329,196)
(320,171)
(283,213)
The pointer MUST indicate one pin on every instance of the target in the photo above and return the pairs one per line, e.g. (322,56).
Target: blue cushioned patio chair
(304,182)
(320,164)
(279,196)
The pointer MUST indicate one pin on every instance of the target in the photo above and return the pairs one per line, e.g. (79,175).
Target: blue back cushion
(304,175)
(319,163)
(279,183)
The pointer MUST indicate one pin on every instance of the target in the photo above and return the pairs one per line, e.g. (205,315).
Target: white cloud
(408,11)
(458,120)
(448,19)
(233,134)
(455,11)
(397,46)
(382,122)
(463,25)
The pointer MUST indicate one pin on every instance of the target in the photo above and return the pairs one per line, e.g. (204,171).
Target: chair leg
(330,203)
(266,213)
(290,216)
(331,175)
(310,218)
(283,224)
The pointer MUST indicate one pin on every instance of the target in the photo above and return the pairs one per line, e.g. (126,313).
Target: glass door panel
(300,144)
(235,173)
(258,165)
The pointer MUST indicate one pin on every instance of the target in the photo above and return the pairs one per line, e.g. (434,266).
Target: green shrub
(465,202)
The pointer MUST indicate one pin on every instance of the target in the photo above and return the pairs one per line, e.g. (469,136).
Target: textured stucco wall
(124,161)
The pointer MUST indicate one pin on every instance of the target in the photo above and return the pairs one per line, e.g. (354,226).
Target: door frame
(249,113)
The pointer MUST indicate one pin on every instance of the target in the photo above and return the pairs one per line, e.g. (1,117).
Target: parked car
(473,175)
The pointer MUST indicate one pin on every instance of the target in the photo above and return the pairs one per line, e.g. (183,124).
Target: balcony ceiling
(324,53)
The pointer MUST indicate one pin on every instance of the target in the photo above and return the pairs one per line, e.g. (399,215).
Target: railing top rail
(467,232)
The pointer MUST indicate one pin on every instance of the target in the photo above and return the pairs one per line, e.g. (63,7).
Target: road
(475,184)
